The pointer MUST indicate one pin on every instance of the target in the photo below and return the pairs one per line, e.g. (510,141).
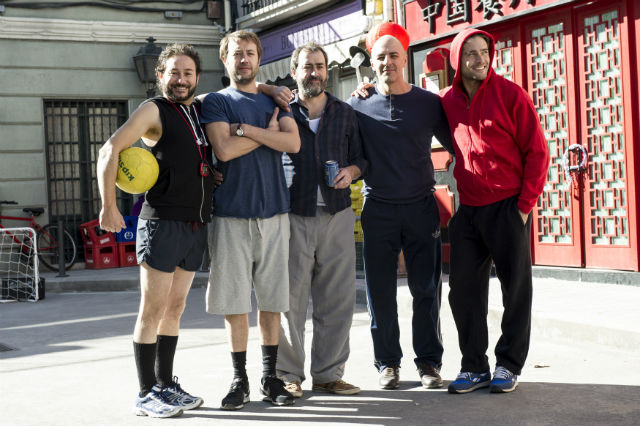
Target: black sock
(164,359)
(269,358)
(239,360)
(145,354)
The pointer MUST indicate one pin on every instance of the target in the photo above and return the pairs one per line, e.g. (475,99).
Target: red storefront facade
(579,62)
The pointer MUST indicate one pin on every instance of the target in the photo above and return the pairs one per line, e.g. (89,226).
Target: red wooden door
(550,73)
(606,128)
(577,66)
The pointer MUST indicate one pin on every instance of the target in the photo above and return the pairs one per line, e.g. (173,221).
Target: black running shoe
(238,395)
(273,390)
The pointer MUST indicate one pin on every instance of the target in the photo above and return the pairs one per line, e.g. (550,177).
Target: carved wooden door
(578,75)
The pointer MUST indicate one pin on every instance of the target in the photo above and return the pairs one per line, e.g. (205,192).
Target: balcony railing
(258,15)
(250,6)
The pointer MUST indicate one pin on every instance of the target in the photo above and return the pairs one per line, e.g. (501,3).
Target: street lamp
(359,58)
(145,61)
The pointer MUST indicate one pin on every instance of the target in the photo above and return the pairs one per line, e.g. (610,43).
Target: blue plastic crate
(128,234)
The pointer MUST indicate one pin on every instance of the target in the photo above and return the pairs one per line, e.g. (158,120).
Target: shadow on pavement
(532,403)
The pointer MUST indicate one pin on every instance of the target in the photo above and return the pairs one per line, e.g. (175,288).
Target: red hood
(456,51)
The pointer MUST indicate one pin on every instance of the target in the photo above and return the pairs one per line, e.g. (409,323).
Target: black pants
(479,235)
(414,228)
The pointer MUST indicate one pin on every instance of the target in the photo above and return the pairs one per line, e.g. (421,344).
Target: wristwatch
(239,131)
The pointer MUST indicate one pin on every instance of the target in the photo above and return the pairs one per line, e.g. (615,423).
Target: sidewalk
(73,365)
(598,313)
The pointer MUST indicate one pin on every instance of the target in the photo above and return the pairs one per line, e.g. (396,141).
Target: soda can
(330,171)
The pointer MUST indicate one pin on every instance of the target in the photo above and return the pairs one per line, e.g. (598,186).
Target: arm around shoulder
(281,95)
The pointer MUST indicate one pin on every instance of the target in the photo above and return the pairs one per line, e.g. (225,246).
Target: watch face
(239,131)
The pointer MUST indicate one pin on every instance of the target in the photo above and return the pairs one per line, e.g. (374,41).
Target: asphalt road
(73,365)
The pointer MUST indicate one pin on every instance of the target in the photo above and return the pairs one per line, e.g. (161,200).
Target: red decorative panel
(548,89)
(441,159)
(446,203)
(606,58)
(446,207)
(604,131)
(503,60)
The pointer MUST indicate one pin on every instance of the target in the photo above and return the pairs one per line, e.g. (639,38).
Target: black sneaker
(238,395)
(429,376)
(273,390)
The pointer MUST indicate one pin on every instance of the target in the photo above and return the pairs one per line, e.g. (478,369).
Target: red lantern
(388,28)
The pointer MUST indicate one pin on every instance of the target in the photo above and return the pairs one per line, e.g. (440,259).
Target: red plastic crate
(93,235)
(127,254)
(102,257)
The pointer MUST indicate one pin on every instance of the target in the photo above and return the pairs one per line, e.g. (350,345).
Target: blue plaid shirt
(338,138)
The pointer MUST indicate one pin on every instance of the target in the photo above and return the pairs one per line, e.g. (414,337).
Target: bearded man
(172,228)
(249,239)
(321,247)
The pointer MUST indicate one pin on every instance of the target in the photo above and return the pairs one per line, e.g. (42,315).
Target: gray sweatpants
(321,264)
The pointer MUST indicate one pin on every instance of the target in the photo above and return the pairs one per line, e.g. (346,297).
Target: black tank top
(180,193)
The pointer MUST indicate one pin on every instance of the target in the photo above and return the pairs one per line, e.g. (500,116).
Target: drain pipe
(387,11)
(227,16)
(400,13)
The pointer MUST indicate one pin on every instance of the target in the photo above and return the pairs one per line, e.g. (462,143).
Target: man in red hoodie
(501,166)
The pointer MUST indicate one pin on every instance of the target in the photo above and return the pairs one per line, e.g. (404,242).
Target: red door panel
(605,96)
(548,47)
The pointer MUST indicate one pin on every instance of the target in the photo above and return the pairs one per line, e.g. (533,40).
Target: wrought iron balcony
(250,6)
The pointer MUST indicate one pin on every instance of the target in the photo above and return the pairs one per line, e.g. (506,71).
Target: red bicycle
(46,239)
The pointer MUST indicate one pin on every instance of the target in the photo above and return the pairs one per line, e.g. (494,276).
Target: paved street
(73,365)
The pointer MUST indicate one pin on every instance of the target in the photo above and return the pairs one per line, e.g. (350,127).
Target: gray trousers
(321,265)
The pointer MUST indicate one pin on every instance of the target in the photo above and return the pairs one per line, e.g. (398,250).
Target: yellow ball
(137,170)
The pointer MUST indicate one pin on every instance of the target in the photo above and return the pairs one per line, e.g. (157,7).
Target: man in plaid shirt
(322,247)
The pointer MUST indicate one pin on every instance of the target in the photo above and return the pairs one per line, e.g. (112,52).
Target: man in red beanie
(501,166)
(397,121)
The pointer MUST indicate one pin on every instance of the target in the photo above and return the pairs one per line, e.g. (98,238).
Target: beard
(167,91)
(243,80)
(309,90)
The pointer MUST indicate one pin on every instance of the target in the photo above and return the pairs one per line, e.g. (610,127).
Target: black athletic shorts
(165,244)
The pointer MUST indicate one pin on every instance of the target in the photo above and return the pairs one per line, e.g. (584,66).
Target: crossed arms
(280,135)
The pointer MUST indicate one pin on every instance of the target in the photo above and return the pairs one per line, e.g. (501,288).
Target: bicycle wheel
(48,248)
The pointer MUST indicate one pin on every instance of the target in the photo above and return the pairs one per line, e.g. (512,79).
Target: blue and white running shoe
(175,395)
(154,404)
(503,381)
(468,382)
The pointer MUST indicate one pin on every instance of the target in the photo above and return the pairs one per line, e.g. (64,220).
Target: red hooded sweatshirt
(499,145)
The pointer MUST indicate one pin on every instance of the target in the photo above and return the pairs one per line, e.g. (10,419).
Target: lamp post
(359,58)
(145,61)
